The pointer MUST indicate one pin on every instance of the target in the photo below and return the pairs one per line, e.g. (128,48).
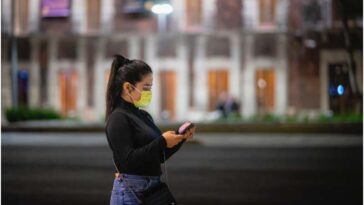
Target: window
(311,12)
(265,45)
(229,14)
(21,16)
(5,50)
(67,49)
(318,13)
(134,6)
(93,15)
(267,12)
(116,47)
(193,13)
(218,46)
(167,46)
(23,47)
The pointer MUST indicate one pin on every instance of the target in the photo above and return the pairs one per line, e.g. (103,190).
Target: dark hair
(123,70)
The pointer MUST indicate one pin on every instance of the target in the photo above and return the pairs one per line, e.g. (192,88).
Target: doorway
(265,82)
(218,83)
(168,94)
(68,92)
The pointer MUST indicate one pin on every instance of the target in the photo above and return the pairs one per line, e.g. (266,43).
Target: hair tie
(121,60)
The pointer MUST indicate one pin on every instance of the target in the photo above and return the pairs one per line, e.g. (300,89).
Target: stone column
(79,16)
(248,97)
(281,82)
(81,77)
(34,7)
(53,84)
(151,59)
(182,80)
(235,65)
(99,79)
(179,15)
(107,14)
(34,74)
(5,88)
(200,75)
(208,14)
(5,77)
(134,48)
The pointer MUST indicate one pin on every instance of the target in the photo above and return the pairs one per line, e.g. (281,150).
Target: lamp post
(162,10)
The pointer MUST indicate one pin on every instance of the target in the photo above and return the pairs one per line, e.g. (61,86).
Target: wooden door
(265,90)
(218,83)
(68,92)
(168,94)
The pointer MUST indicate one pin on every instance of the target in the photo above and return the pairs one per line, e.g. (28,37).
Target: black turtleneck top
(136,142)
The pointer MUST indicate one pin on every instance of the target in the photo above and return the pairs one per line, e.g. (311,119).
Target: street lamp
(162,10)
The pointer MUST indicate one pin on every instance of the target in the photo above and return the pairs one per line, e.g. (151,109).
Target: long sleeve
(120,136)
(170,151)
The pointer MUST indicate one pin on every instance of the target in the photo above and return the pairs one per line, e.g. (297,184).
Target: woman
(138,146)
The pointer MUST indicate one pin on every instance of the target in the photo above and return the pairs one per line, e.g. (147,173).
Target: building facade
(273,56)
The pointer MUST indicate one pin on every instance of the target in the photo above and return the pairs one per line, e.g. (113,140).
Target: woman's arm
(167,151)
(120,136)
(170,151)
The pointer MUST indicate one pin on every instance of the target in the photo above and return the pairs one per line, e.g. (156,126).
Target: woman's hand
(189,134)
(172,138)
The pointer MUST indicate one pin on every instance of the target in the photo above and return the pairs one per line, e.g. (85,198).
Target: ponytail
(112,90)
(122,70)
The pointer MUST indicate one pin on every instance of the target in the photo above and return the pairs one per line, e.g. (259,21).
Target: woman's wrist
(163,142)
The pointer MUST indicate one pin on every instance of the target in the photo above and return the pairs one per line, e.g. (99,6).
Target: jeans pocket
(137,185)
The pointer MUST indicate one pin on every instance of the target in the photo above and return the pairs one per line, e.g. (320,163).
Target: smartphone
(184,128)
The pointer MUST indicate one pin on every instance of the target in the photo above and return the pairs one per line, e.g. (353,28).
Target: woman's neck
(126,98)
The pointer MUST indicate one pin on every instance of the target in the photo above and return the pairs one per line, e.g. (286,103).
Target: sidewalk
(77,126)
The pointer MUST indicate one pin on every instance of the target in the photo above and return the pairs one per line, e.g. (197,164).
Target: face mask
(145,98)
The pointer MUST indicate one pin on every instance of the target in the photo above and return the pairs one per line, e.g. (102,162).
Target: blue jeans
(127,189)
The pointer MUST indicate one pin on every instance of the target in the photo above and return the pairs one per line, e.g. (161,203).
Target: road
(76,168)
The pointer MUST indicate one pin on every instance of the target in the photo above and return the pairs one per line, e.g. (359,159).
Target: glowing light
(340,90)
(262,83)
(162,9)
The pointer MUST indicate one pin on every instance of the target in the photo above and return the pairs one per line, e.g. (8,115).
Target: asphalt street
(76,168)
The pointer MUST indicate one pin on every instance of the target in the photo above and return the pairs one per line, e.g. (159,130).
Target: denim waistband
(140,177)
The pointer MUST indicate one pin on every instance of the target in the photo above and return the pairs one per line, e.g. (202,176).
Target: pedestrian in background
(227,105)
(137,144)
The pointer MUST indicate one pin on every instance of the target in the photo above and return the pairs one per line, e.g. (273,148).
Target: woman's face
(144,85)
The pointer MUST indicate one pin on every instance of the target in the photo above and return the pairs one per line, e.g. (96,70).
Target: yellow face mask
(145,99)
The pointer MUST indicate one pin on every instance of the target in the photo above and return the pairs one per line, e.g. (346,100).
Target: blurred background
(255,58)
(274,86)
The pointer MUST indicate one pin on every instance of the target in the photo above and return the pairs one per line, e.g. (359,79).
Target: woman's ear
(127,87)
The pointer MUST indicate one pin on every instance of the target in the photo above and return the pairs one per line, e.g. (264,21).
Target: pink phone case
(184,127)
